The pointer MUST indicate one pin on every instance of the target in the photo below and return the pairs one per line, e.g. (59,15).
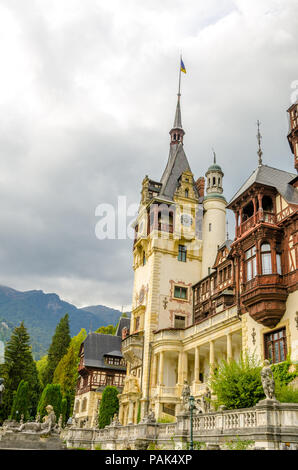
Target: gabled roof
(123,323)
(273,177)
(96,346)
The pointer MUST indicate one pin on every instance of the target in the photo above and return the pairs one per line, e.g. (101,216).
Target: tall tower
(167,262)
(214,219)
(293,134)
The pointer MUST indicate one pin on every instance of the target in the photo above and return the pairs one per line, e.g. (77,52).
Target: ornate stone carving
(268,381)
(185,396)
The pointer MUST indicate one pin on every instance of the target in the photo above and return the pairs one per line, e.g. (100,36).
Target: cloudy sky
(87,98)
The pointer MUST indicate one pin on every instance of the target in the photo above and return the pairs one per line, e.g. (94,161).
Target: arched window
(209,182)
(266,258)
(214,181)
(186,193)
(251,263)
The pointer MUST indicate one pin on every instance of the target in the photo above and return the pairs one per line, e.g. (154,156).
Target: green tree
(64,406)
(19,365)
(66,372)
(41,366)
(109,405)
(21,402)
(106,330)
(237,384)
(58,347)
(51,395)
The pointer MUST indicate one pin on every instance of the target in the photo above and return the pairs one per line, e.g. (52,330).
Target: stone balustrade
(269,425)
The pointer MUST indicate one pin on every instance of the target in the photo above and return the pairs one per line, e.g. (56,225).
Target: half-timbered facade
(101,364)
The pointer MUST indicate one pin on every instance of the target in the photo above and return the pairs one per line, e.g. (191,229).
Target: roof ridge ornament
(259,137)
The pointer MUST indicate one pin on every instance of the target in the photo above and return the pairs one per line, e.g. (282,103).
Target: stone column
(229,347)
(154,370)
(161,367)
(185,367)
(197,364)
(179,378)
(121,413)
(211,355)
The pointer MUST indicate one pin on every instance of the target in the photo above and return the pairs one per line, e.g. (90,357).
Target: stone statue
(60,422)
(48,426)
(206,401)
(149,417)
(268,381)
(2,388)
(185,396)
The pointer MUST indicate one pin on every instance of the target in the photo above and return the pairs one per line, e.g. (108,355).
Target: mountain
(41,313)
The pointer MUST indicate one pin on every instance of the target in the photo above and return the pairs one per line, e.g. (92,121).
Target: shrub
(286,394)
(237,384)
(109,405)
(51,395)
(238,444)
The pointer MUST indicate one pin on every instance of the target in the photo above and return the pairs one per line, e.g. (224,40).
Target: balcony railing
(263,280)
(259,217)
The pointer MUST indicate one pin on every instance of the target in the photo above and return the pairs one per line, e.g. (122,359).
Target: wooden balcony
(265,299)
(258,218)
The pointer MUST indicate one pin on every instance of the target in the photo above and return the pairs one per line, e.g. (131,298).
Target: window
(266,258)
(214,181)
(144,258)
(137,323)
(276,346)
(278,259)
(179,322)
(182,253)
(210,227)
(180,292)
(186,193)
(251,263)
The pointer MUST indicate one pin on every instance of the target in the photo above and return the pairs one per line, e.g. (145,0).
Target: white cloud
(88,94)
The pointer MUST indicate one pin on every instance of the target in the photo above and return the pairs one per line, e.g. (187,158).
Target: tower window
(180,292)
(266,258)
(210,227)
(182,253)
(214,181)
(144,258)
(186,193)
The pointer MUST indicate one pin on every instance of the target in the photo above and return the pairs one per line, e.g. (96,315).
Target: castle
(199,297)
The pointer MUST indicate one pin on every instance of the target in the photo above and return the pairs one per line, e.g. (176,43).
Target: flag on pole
(183,69)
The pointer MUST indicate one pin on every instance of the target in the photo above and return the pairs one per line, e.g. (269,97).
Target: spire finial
(259,137)
(214,155)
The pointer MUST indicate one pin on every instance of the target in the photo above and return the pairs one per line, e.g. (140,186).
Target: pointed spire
(178,120)
(259,137)
(214,155)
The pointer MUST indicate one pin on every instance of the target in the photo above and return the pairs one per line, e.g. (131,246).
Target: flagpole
(179,90)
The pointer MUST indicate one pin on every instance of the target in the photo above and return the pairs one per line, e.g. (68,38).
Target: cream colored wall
(288,321)
(92,405)
(215,214)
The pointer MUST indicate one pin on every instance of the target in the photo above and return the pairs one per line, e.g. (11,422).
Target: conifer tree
(19,365)
(21,402)
(58,347)
(109,405)
(66,372)
(51,395)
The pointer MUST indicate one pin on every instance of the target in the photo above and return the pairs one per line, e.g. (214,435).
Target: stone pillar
(161,367)
(185,367)
(154,370)
(130,412)
(229,347)
(211,355)
(197,364)
(121,413)
(180,379)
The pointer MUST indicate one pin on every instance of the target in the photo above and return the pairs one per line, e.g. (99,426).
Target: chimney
(200,184)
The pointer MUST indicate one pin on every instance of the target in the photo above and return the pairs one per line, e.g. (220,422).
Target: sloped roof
(177,164)
(96,346)
(273,177)
(123,323)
